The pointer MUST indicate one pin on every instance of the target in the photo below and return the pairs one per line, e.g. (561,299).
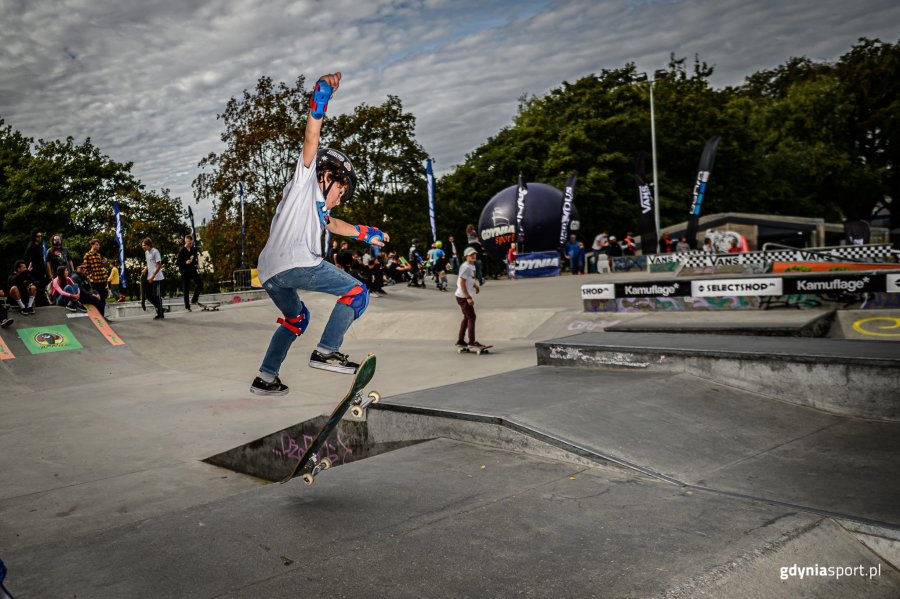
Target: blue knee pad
(297,324)
(357,298)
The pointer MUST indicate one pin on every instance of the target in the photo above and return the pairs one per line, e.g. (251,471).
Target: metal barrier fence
(242,279)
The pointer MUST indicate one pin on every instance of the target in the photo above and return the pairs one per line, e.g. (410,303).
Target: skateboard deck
(479,350)
(309,465)
(210,307)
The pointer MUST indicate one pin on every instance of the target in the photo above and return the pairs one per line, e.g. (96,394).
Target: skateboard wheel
(308,478)
(375,396)
(325,464)
(356,411)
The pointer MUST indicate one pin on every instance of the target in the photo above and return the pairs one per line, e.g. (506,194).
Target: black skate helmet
(329,159)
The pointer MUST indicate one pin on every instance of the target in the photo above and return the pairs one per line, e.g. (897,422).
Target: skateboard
(309,463)
(477,350)
(210,307)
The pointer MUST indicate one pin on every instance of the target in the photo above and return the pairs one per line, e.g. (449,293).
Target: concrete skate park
(592,454)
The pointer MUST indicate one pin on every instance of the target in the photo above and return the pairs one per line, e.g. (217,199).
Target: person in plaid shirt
(96,271)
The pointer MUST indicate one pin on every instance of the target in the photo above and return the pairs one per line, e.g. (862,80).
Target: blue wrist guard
(318,102)
(367,234)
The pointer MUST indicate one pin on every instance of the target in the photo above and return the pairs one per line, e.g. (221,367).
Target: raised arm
(318,104)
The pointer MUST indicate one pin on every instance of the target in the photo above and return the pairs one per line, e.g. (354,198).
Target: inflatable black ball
(542,222)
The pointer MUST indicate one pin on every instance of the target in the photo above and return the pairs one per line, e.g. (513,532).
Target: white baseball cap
(469,251)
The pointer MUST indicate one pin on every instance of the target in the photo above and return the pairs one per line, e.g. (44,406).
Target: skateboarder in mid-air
(292,257)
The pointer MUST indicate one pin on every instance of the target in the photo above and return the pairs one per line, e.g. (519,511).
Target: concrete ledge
(851,378)
(176,304)
(783,323)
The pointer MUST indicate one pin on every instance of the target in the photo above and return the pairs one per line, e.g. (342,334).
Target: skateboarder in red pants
(292,258)
(465,284)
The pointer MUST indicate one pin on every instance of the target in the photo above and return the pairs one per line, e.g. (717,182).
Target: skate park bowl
(504,473)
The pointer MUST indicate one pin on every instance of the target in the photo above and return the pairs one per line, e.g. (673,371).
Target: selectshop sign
(598,291)
(892,283)
(736,287)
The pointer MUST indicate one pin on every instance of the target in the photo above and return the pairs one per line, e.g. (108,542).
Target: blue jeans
(62,300)
(283,288)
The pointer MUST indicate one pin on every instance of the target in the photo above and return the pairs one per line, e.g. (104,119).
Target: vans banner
(649,243)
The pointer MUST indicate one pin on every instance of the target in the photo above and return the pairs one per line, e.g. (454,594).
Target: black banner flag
(706,164)
(520,214)
(565,219)
(645,203)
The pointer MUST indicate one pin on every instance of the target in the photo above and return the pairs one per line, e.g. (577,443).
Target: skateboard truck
(359,403)
(317,466)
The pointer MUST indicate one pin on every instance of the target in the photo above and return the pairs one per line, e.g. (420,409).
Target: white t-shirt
(466,277)
(295,236)
(599,240)
(153,258)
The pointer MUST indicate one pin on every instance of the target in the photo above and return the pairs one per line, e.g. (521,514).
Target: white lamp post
(659,74)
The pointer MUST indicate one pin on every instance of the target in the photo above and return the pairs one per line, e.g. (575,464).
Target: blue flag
(121,244)
(241,193)
(429,178)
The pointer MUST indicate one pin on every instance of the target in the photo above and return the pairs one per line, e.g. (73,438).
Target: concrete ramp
(273,456)
(55,347)
(852,378)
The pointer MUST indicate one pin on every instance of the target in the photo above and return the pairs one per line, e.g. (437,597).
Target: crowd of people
(379,269)
(51,277)
(605,246)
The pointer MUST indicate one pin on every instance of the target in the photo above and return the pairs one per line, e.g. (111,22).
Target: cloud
(146,79)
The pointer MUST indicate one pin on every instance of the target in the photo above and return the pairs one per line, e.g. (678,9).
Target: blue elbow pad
(318,102)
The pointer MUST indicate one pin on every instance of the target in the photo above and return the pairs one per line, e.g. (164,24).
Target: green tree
(390,163)
(263,137)
(68,188)
(870,77)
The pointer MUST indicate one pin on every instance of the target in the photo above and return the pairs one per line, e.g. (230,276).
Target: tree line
(805,138)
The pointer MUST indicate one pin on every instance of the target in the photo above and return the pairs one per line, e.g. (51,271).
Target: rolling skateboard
(478,350)
(309,463)
(210,307)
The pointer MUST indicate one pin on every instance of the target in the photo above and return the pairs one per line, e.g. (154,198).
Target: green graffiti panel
(52,338)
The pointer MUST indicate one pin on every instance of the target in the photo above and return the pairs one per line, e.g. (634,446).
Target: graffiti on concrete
(810,301)
(338,452)
(590,325)
(878,326)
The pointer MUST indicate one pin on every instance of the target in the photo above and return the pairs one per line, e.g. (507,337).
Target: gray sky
(144,79)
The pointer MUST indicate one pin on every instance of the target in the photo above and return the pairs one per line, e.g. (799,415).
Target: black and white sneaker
(71,308)
(261,387)
(6,322)
(334,361)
